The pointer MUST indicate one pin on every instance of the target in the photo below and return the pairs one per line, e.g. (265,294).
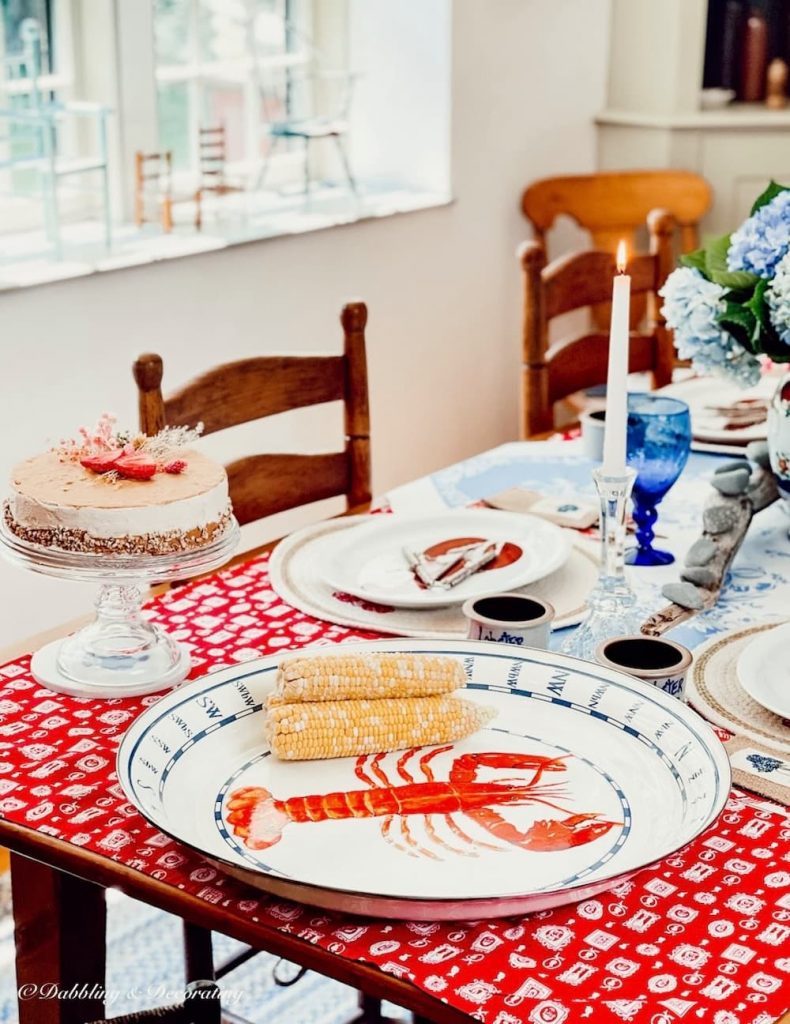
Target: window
(279,116)
(225,62)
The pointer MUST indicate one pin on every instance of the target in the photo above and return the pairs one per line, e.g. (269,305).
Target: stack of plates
(705,397)
(741,680)
(352,570)
(764,670)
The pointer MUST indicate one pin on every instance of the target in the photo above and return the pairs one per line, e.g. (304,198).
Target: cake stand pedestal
(120,653)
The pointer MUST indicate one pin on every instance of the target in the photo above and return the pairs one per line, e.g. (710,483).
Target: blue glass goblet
(658,445)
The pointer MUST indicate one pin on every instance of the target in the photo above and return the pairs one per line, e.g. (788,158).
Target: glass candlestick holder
(612,603)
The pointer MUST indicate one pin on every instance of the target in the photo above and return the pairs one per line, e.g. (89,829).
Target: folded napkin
(574,513)
(761,769)
(451,567)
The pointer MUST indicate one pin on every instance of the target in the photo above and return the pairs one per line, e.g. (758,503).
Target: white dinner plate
(707,426)
(764,671)
(371,564)
(584,776)
(293,576)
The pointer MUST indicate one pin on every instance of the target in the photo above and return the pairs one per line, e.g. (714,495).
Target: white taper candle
(614,445)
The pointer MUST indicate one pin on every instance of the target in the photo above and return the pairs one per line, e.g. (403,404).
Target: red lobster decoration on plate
(258,818)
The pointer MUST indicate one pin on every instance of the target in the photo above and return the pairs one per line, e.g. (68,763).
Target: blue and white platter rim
(698,768)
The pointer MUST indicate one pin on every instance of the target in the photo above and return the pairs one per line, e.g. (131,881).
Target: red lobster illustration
(258,818)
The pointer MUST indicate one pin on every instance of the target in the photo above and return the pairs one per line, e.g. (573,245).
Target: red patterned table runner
(703,935)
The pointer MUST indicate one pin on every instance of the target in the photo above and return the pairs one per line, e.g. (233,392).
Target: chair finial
(661,222)
(531,254)
(354,317)
(147,371)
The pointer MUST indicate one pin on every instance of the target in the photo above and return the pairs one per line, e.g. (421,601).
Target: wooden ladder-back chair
(212,150)
(251,389)
(261,485)
(611,205)
(575,281)
(153,185)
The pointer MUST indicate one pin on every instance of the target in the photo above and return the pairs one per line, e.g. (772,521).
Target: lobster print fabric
(703,935)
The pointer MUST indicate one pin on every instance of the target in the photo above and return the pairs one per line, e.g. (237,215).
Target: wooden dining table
(705,931)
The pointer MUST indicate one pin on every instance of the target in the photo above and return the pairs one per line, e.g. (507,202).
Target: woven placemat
(714,690)
(294,576)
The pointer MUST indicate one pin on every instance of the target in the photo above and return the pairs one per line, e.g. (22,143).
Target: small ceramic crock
(593,426)
(510,619)
(662,663)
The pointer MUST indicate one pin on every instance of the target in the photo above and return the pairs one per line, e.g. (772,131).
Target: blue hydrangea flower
(763,239)
(777,295)
(691,307)
(692,303)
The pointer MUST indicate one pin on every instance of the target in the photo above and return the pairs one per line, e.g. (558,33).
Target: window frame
(126,78)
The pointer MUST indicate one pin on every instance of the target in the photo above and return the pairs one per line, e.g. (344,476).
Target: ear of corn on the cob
(372,676)
(346,728)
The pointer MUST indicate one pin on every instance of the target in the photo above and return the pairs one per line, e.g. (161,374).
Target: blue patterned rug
(144,969)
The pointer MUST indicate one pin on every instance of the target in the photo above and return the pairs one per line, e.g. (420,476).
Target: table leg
(60,924)
(371,1010)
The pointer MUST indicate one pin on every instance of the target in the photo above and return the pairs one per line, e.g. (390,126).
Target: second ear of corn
(347,728)
(348,705)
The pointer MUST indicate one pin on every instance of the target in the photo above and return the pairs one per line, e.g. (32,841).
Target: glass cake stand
(120,653)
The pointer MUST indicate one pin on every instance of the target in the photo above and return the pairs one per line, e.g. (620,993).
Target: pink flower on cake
(113,454)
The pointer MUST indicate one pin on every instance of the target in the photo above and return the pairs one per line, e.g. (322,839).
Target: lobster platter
(582,777)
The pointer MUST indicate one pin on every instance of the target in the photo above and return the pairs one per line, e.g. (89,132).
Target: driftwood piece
(762,492)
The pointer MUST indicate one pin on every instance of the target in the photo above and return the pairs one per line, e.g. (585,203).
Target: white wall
(408,99)
(442,286)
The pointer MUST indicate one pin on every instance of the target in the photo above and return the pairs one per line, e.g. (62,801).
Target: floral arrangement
(118,454)
(729,302)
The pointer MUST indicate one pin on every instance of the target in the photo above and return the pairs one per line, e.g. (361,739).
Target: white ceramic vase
(779,438)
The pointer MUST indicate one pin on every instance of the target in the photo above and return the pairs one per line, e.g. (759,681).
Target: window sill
(237,219)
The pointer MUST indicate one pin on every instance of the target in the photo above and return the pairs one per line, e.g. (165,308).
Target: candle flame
(622,256)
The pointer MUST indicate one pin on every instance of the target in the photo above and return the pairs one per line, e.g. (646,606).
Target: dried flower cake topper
(120,454)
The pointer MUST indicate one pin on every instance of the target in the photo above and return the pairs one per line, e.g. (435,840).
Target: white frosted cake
(120,496)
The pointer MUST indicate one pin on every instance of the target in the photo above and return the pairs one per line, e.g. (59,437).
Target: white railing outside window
(36,68)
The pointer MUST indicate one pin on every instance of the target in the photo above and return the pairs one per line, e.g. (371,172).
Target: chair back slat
(584,280)
(262,485)
(583,362)
(252,389)
(615,204)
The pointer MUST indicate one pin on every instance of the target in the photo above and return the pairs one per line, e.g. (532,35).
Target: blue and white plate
(585,776)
